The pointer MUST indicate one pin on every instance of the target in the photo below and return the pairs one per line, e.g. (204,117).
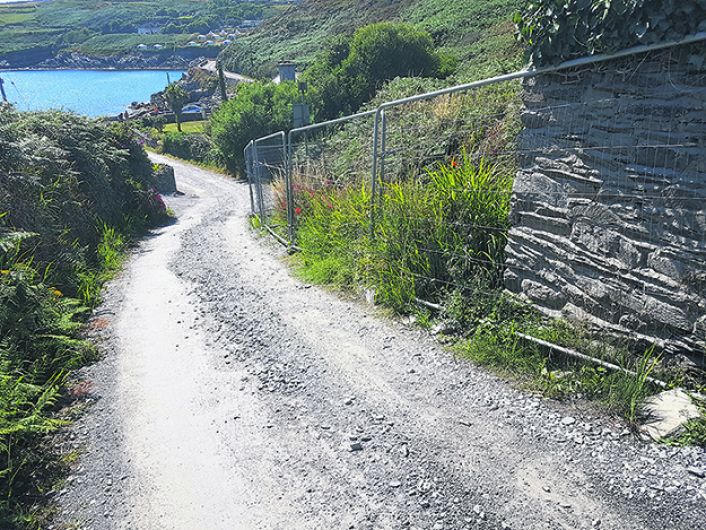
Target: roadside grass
(209,166)
(496,343)
(38,317)
(448,226)
(189,127)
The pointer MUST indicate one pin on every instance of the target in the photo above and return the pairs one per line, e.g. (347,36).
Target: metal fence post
(248,173)
(383,153)
(257,167)
(373,183)
(290,188)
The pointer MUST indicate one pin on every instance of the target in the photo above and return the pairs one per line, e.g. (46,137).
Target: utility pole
(222,81)
(2,90)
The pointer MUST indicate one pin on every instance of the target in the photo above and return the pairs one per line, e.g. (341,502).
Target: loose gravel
(235,396)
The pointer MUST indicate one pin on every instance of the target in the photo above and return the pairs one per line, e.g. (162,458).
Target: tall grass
(431,234)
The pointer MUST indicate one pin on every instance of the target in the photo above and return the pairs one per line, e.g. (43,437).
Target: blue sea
(90,92)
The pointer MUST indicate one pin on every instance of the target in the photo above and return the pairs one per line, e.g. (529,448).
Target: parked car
(191,108)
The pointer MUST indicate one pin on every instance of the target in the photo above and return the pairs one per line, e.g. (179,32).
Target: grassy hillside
(475,31)
(114,26)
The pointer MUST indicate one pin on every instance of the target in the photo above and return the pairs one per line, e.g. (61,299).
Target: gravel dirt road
(233,396)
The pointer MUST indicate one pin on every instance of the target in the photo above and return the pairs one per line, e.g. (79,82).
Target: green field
(113,26)
(191,127)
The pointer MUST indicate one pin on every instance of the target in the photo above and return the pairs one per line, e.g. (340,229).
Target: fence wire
(582,189)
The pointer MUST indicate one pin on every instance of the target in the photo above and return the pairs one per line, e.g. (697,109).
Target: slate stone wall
(609,204)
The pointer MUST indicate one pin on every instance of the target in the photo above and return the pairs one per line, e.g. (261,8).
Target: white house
(142,46)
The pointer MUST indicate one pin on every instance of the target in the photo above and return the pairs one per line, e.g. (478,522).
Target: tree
(257,110)
(176,97)
(349,73)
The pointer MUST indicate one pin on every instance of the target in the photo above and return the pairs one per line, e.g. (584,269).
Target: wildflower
(454,164)
(298,211)
(4,271)
(56,292)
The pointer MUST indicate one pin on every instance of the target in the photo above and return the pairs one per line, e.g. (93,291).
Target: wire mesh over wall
(608,217)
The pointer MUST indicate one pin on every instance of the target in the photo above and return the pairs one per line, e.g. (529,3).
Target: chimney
(287,71)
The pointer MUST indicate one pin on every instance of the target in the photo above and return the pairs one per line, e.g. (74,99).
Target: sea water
(90,92)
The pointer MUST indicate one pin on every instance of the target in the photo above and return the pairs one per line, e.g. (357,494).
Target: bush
(349,73)
(187,146)
(63,177)
(71,192)
(257,110)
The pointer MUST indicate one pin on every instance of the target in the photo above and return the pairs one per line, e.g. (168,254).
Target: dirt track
(233,396)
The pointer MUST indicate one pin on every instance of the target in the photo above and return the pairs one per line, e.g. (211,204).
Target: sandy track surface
(233,396)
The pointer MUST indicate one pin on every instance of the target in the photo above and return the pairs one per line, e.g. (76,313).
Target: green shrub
(64,177)
(257,110)
(72,192)
(349,73)
(187,146)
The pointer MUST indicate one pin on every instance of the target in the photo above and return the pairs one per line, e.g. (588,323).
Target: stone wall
(609,204)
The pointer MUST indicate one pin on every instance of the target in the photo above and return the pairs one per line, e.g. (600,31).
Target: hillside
(477,31)
(33,32)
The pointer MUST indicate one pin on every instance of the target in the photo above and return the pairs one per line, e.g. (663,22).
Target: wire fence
(580,187)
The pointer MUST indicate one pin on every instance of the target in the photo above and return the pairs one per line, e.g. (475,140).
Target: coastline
(97,69)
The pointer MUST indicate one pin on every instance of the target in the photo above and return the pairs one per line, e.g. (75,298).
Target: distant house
(227,42)
(142,46)
(287,71)
(193,43)
(202,37)
(209,43)
(158,46)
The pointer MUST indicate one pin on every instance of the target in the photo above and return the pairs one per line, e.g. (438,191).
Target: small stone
(477,509)
(568,420)
(547,489)
(698,472)
(596,523)
(667,413)
(395,484)
(356,446)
